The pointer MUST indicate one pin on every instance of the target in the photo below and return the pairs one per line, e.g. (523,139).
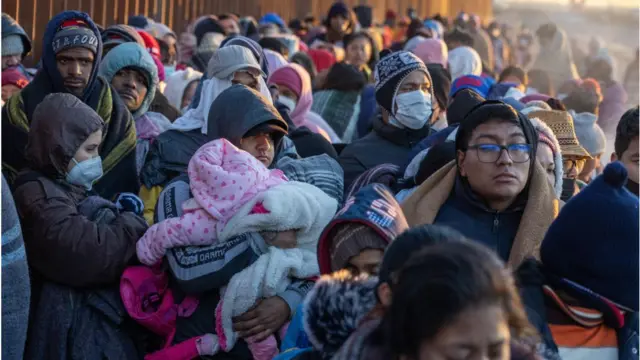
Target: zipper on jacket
(496,222)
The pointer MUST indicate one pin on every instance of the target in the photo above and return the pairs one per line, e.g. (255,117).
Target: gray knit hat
(73,36)
(351,239)
(12,45)
(589,133)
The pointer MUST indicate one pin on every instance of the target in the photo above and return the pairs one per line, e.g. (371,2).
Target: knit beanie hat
(350,239)
(288,77)
(323,59)
(433,51)
(10,27)
(150,43)
(74,33)
(207,25)
(389,74)
(14,76)
(120,34)
(338,9)
(476,83)
(594,240)
(589,133)
(139,21)
(12,45)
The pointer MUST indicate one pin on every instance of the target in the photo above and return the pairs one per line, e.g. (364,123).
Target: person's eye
(62,61)
(488,148)
(519,147)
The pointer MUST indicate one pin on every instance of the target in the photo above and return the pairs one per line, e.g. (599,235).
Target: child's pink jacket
(222,179)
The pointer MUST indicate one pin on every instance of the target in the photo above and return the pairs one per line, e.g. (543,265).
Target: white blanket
(291,206)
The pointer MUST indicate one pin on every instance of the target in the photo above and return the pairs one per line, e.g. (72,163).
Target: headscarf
(464,61)
(297,79)
(222,66)
(177,84)
(274,60)
(433,51)
(255,48)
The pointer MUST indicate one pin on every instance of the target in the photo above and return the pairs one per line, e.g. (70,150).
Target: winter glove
(130,202)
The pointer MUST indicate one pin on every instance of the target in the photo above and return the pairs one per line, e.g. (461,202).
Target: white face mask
(86,172)
(288,102)
(414,109)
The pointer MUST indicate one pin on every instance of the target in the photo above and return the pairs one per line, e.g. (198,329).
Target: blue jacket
(464,212)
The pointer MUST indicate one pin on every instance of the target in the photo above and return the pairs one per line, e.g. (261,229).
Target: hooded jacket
(446,198)
(132,55)
(373,206)
(63,245)
(11,27)
(119,135)
(229,121)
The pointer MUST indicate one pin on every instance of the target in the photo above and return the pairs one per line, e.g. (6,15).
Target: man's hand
(264,319)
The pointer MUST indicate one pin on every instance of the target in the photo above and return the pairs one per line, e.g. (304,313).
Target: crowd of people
(336,189)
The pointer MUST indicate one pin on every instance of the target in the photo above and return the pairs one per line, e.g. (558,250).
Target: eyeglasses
(573,163)
(490,153)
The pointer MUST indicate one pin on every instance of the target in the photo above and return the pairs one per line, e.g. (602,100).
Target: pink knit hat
(432,51)
(288,77)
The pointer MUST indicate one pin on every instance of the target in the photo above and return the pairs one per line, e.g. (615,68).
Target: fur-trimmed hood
(334,308)
(543,128)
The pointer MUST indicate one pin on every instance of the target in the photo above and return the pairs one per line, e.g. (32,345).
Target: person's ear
(461,155)
(384,294)
(614,157)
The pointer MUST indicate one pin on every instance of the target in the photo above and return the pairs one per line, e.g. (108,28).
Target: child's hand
(281,239)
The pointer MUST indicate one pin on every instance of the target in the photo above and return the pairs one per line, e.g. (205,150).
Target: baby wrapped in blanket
(233,193)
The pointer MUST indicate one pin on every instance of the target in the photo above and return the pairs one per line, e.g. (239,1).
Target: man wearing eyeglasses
(494,192)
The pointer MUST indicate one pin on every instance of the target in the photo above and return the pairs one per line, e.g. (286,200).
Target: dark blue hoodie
(374,206)
(49,66)
(118,146)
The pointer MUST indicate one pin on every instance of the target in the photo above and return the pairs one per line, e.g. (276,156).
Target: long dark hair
(441,282)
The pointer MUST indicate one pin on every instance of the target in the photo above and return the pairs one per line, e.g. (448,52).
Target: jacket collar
(402,137)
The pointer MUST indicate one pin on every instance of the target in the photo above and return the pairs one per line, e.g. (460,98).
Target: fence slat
(33,15)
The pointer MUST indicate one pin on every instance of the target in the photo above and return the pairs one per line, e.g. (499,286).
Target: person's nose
(504,158)
(75,68)
(263,143)
(573,172)
(13,60)
(130,82)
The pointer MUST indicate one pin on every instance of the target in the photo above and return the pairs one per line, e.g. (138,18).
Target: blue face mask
(86,172)
(169,70)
